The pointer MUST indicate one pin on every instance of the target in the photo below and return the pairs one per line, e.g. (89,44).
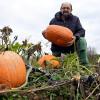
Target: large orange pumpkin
(59,35)
(49,58)
(12,69)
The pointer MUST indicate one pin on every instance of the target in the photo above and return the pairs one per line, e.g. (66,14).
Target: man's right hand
(43,33)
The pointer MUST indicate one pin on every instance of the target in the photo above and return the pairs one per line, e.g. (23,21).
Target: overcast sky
(28,18)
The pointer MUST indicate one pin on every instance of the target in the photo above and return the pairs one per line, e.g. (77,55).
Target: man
(65,18)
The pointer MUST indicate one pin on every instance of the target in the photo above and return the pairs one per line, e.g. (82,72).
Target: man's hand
(73,40)
(43,33)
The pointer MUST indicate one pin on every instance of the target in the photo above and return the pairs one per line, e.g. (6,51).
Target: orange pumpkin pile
(45,59)
(59,35)
(12,69)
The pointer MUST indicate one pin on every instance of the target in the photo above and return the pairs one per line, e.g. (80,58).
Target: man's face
(66,9)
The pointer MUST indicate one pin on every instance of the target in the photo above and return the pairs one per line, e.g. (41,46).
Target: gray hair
(66,3)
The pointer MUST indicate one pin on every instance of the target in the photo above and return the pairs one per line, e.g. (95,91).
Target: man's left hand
(71,42)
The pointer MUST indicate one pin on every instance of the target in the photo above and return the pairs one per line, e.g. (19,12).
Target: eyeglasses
(66,8)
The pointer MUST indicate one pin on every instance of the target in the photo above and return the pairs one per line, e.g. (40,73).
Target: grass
(69,69)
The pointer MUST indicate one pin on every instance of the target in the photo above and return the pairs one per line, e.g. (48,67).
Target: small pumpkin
(50,59)
(12,69)
(58,35)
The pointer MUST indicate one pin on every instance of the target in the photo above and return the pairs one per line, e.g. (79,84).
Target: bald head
(66,4)
(66,8)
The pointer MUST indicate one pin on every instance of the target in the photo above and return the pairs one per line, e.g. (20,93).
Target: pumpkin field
(29,73)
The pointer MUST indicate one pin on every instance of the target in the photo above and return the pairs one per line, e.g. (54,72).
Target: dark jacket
(73,23)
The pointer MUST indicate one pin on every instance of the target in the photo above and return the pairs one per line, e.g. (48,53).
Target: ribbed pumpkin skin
(12,69)
(59,35)
(51,59)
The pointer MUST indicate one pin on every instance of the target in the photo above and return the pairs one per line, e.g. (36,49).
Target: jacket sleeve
(52,22)
(79,32)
